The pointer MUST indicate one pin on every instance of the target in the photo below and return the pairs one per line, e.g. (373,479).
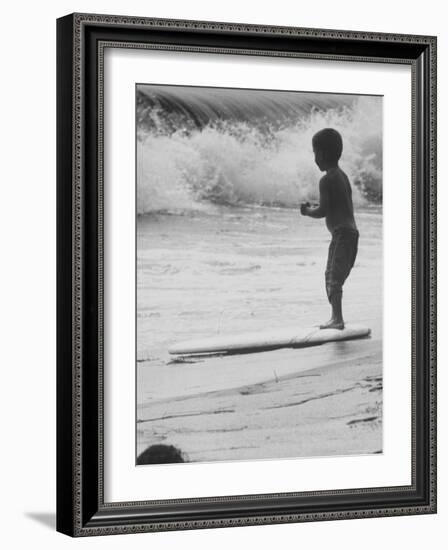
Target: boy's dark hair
(329,141)
(160,454)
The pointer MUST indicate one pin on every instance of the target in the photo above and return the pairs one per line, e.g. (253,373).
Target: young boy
(336,206)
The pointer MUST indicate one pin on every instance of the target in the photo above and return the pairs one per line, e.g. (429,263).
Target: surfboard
(289,337)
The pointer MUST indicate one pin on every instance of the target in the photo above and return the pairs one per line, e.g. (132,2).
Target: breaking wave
(199,147)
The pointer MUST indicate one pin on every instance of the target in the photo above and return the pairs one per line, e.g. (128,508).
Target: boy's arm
(321,210)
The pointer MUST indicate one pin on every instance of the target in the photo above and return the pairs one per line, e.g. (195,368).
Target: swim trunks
(341,257)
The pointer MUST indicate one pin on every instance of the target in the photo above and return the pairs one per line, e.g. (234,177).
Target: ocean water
(201,147)
(245,269)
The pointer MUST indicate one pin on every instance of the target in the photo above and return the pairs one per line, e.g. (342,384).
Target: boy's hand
(304,208)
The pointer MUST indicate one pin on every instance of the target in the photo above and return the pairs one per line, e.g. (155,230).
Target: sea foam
(265,158)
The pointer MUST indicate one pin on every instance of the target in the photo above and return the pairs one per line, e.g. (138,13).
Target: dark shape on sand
(160,454)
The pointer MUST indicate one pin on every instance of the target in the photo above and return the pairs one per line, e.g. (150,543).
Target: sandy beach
(327,410)
(246,269)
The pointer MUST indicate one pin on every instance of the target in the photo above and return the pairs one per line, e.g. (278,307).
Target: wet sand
(334,408)
(248,271)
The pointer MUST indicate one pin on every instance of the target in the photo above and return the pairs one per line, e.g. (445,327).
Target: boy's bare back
(336,199)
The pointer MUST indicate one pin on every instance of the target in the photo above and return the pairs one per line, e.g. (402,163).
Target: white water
(266,161)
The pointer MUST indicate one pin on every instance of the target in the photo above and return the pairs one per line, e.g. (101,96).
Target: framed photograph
(246,274)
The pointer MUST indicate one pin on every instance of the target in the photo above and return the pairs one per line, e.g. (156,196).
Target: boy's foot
(333,323)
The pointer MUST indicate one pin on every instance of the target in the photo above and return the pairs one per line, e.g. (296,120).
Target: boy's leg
(336,311)
(335,275)
(336,320)
(333,285)
(341,257)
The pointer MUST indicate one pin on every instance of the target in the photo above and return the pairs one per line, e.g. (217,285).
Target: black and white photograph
(221,252)
(259,274)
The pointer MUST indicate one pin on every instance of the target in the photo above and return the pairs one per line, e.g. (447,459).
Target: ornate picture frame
(81,506)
